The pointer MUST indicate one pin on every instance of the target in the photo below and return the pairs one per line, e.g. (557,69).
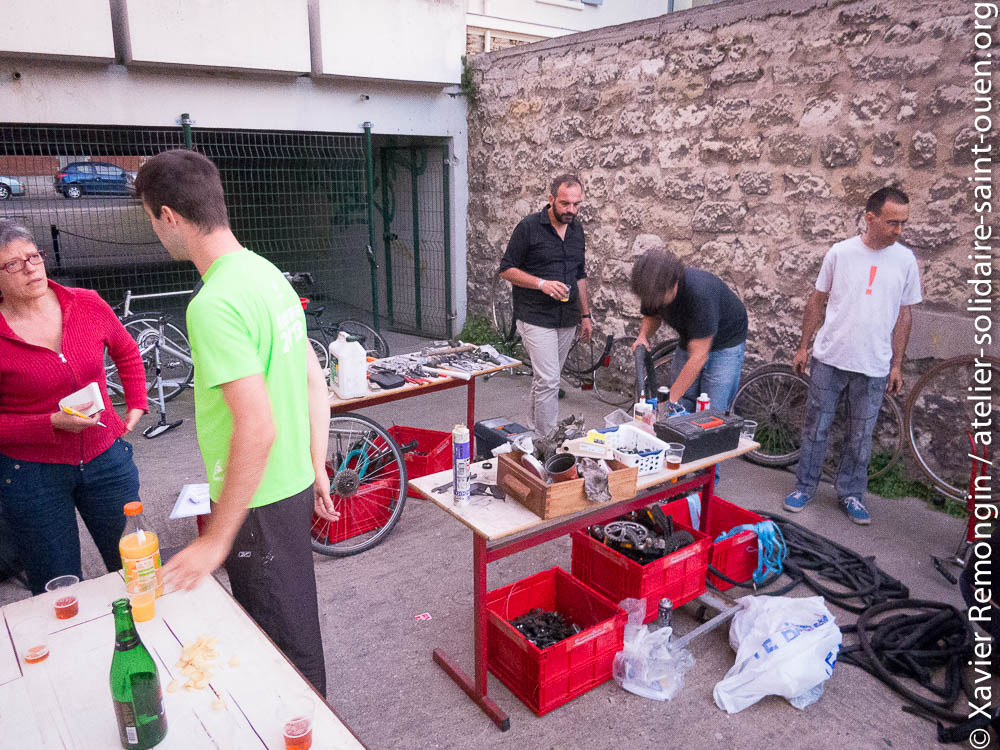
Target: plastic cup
(295,715)
(63,590)
(142,597)
(673,455)
(31,638)
(749,429)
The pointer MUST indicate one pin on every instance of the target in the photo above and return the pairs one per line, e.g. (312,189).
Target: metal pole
(55,244)
(415,205)
(446,173)
(387,234)
(186,127)
(370,184)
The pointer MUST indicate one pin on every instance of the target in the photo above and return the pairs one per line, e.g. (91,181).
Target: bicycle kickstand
(162,426)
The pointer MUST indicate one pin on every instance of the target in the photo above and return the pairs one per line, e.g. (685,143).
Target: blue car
(9,187)
(93,178)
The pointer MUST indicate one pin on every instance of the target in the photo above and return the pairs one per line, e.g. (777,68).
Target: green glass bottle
(135,685)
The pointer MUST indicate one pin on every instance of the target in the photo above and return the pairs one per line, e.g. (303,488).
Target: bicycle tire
(776,400)
(369,500)
(614,381)
(887,438)
(584,357)
(175,372)
(502,308)
(935,405)
(371,340)
(322,352)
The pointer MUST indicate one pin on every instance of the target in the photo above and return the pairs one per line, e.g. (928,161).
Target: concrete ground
(385,685)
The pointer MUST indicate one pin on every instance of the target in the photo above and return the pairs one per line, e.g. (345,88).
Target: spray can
(460,457)
(703,402)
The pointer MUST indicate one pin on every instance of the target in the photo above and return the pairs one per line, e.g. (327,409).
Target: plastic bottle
(460,456)
(703,402)
(348,367)
(135,685)
(139,546)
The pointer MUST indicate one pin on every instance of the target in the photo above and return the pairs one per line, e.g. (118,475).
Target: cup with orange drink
(142,597)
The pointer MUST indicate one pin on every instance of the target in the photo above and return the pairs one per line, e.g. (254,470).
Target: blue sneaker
(856,510)
(796,501)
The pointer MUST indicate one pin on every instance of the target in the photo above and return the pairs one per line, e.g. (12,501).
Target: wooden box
(559,498)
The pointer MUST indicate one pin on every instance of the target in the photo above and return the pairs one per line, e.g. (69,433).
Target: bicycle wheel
(367,484)
(887,438)
(951,400)
(614,380)
(322,353)
(176,366)
(585,357)
(776,400)
(663,359)
(502,308)
(370,339)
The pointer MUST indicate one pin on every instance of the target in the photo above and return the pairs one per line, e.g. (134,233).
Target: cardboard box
(560,498)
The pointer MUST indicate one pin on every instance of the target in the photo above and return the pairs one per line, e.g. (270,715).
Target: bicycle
(584,360)
(164,348)
(322,334)
(615,383)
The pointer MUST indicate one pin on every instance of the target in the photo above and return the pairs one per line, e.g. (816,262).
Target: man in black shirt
(544,262)
(709,319)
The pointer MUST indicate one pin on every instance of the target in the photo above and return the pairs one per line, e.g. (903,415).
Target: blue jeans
(40,500)
(719,378)
(864,398)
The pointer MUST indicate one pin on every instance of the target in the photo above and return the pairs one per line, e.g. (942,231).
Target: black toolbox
(493,432)
(704,433)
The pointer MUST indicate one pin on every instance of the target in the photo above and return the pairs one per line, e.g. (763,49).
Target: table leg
(470,414)
(476,690)
(706,495)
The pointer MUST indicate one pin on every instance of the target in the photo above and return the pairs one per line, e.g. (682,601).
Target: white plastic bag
(647,666)
(783,646)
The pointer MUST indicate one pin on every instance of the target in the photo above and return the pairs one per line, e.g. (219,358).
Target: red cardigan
(33,379)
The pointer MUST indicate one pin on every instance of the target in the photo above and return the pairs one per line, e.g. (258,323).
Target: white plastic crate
(651,449)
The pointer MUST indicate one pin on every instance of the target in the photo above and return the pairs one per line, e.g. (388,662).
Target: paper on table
(90,392)
(193,501)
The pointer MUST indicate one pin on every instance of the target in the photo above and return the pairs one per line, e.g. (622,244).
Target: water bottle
(460,456)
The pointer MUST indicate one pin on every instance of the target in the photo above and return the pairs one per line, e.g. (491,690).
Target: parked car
(93,178)
(9,187)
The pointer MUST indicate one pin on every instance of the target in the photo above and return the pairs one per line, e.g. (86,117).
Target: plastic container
(348,367)
(679,576)
(432,454)
(139,547)
(651,449)
(547,679)
(735,557)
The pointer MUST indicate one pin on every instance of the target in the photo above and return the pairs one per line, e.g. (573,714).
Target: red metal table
(505,528)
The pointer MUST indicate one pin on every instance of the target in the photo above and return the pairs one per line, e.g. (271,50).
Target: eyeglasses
(15,266)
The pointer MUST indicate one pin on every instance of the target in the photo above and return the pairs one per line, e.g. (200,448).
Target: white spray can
(703,403)
(460,456)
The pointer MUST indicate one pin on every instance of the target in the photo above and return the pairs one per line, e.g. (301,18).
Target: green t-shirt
(247,320)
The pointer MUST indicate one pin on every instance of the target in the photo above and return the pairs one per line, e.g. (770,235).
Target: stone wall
(745,137)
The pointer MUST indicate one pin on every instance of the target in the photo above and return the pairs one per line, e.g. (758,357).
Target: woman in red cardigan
(52,343)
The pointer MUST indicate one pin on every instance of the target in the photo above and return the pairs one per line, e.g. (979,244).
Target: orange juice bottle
(139,547)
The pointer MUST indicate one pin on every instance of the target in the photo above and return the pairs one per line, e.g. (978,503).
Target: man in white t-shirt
(863,298)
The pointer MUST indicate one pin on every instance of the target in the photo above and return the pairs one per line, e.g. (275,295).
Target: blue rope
(771,547)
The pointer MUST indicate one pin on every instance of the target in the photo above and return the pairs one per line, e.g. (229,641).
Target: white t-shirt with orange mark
(866,287)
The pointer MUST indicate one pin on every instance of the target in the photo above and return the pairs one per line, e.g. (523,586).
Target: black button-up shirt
(536,248)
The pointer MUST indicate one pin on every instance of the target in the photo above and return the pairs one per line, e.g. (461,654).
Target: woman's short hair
(11,230)
(653,275)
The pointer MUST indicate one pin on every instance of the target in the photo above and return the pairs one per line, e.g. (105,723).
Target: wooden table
(339,405)
(65,701)
(505,527)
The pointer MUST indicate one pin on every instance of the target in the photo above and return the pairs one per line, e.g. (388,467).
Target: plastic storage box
(704,433)
(649,459)
(679,576)
(432,454)
(547,679)
(368,509)
(735,557)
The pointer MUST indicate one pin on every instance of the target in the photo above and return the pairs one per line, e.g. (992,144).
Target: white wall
(253,34)
(563,16)
(81,28)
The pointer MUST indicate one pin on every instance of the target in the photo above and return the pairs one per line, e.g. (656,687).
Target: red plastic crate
(736,557)
(368,509)
(546,679)
(679,576)
(433,445)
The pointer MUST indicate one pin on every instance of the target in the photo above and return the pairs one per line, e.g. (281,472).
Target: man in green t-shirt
(261,410)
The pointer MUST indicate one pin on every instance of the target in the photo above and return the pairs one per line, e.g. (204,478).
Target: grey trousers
(547,348)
